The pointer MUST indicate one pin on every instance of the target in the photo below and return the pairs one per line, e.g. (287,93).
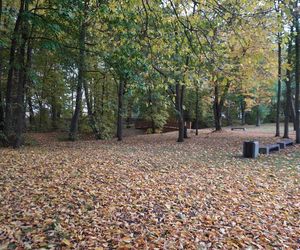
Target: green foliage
(205,45)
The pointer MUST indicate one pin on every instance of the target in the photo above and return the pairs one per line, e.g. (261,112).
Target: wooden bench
(285,143)
(238,128)
(266,149)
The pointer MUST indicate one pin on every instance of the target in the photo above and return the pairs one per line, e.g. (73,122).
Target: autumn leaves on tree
(85,65)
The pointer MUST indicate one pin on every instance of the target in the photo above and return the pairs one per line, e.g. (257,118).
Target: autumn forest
(122,124)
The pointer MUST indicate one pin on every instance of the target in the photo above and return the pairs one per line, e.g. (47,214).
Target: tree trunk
(258,121)
(293,111)
(73,135)
(243,120)
(9,127)
(297,76)
(279,87)
(20,109)
(150,100)
(286,117)
(217,110)
(91,115)
(1,96)
(1,69)
(288,99)
(197,110)
(228,116)
(150,104)
(179,110)
(41,112)
(103,93)
(120,110)
(218,117)
(54,112)
(29,84)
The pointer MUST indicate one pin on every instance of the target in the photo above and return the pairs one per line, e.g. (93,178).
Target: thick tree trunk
(1,73)
(197,110)
(297,76)
(20,107)
(73,135)
(9,127)
(1,96)
(288,99)
(120,110)
(279,87)
(19,110)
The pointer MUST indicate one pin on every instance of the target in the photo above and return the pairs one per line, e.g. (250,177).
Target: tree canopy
(91,65)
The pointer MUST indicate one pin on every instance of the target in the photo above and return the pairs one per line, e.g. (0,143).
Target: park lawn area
(149,192)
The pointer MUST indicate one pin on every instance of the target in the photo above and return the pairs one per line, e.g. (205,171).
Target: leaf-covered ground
(149,192)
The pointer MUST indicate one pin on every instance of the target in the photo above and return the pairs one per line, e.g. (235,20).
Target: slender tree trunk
(91,115)
(179,110)
(279,87)
(54,116)
(41,109)
(219,104)
(293,110)
(218,117)
(73,135)
(258,121)
(129,113)
(197,110)
(217,110)
(286,117)
(30,109)
(288,99)
(297,76)
(103,99)
(228,116)
(29,84)
(243,121)
(120,110)
(54,112)
(150,103)
(72,99)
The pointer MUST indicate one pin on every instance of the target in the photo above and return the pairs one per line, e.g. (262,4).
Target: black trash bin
(250,149)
